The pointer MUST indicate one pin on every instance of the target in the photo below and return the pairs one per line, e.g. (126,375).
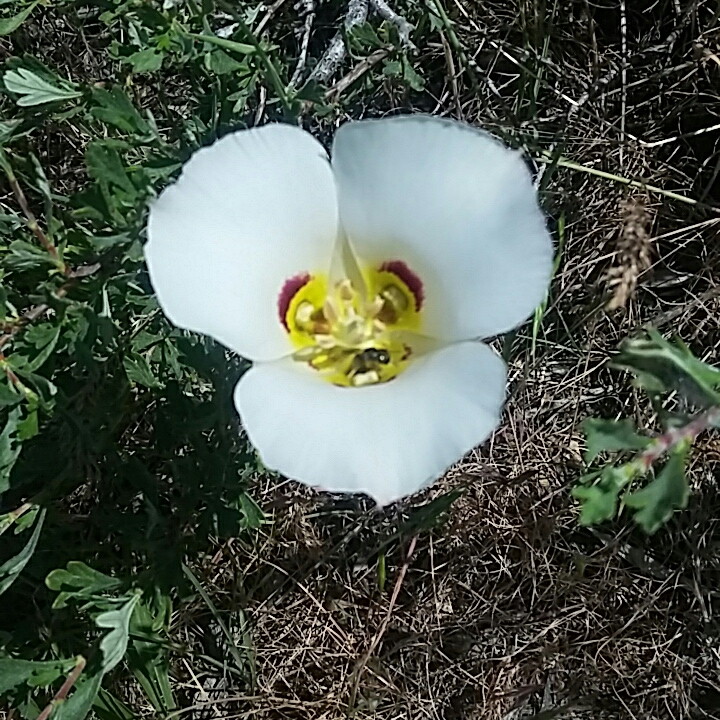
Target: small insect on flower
(359,287)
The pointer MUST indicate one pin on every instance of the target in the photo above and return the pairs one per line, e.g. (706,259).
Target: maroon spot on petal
(288,292)
(414,283)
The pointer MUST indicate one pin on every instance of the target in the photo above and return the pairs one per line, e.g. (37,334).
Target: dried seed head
(633,249)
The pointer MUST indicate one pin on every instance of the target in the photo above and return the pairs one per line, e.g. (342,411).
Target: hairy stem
(32,222)
(673,437)
(62,693)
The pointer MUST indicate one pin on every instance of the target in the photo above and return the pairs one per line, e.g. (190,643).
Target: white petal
(386,440)
(454,204)
(249,212)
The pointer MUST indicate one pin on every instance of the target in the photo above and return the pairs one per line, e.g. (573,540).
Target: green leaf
(219,62)
(436,22)
(147,655)
(46,674)
(599,502)
(80,577)
(28,427)
(33,673)
(431,514)
(79,704)
(34,90)
(138,370)
(658,500)
(107,707)
(412,77)
(9,448)
(25,256)
(115,108)
(311,91)
(9,396)
(78,581)
(114,644)
(611,436)
(381,572)
(46,349)
(104,164)
(7,129)
(45,389)
(392,68)
(662,366)
(253,516)
(11,24)
(147,60)
(26,520)
(10,569)
(43,185)
(596,504)
(109,241)
(363,37)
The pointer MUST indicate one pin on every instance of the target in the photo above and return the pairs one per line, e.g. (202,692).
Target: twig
(404,28)
(262,102)
(682,136)
(606,79)
(62,693)
(674,437)
(356,73)
(38,311)
(383,626)
(32,222)
(333,57)
(307,30)
(268,15)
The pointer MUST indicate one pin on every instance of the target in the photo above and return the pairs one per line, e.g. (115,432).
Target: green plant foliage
(14,673)
(10,444)
(97,390)
(78,581)
(10,569)
(661,367)
(668,492)
(11,24)
(114,644)
(121,457)
(599,496)
(34,90)
(611,436)
(78,705)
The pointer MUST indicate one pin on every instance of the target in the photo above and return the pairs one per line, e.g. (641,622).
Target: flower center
(354,336)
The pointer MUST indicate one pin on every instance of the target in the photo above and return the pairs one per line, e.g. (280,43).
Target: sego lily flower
(358,288)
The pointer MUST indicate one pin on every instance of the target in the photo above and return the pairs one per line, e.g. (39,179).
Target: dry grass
(633,251)
(511,610)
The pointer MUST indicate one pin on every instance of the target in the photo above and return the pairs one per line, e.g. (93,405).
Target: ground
(505,608)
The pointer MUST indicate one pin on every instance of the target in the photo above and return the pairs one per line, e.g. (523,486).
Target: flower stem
(62,693)
(673,437)
(32,222)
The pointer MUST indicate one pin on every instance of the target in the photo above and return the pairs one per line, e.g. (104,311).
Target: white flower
(358,288)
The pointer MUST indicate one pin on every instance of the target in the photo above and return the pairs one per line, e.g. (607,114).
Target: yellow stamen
(354,338)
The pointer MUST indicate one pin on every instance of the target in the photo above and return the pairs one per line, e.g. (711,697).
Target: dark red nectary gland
(414,283)
(288,292)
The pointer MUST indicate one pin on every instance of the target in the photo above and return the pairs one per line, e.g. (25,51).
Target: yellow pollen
(354,338)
